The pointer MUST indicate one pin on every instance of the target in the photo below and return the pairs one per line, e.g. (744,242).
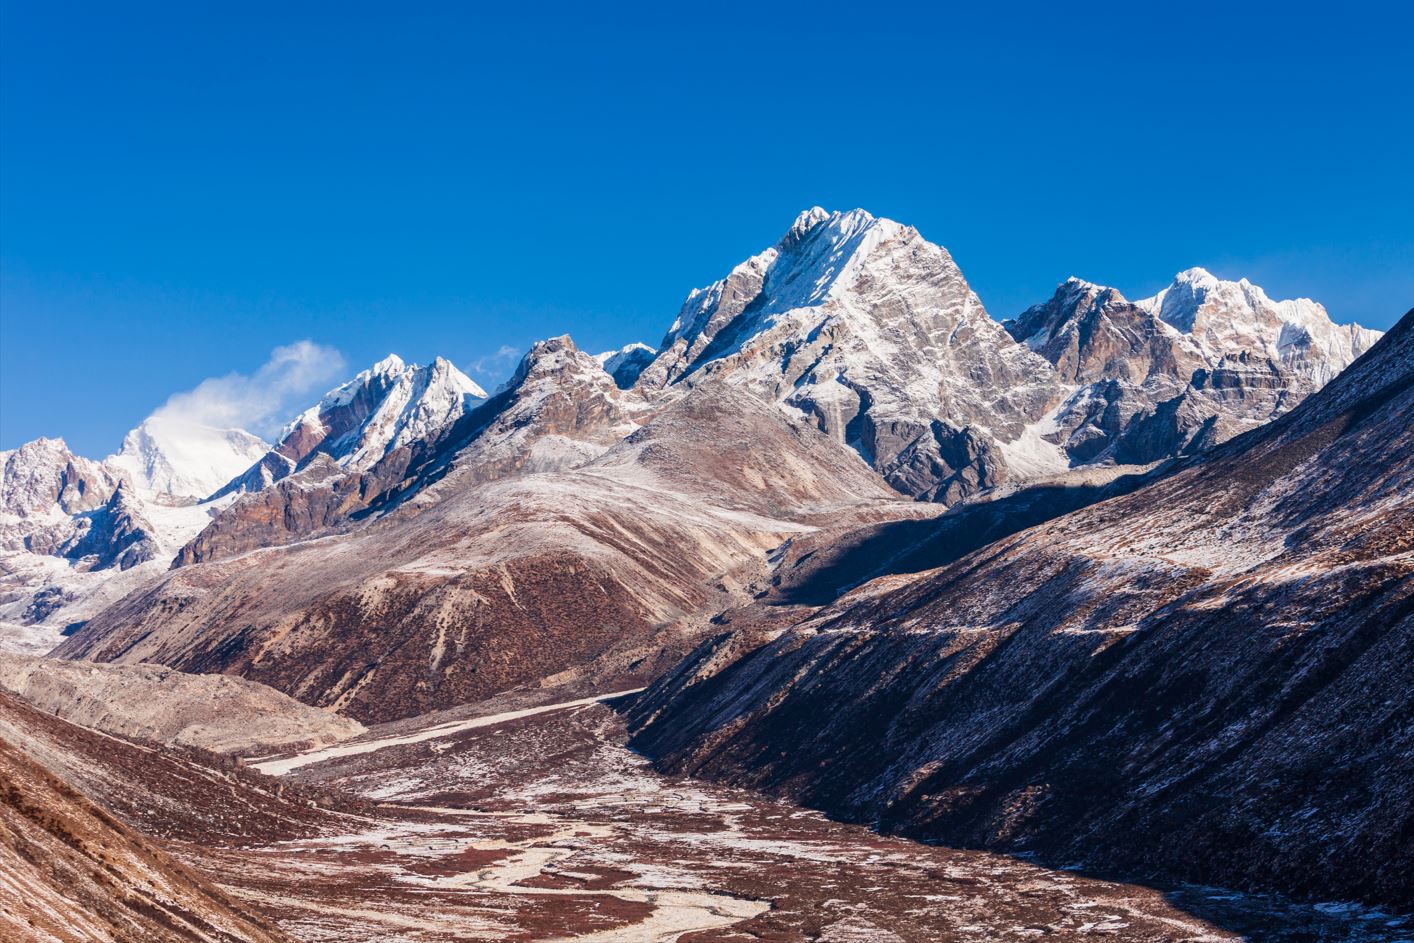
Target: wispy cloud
(496,363)
(259,402)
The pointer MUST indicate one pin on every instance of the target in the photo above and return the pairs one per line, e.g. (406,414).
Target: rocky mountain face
(45,493)
(44,475)
(386,407)
(119,534)
(873,333)
(1205,680)
(142,505)
(1200,362)
(1223,317)
(58,504)
(76,535)
(627,363)
(560,409)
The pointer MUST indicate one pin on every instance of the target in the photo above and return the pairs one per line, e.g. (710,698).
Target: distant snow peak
(389,405)
(389,364)
(1225,317)
(182,459)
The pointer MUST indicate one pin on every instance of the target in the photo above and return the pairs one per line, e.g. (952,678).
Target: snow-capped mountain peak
(807,220)
(387,406)
(169,456)
(1224,317)
(389,364)
(42,477)
(864,326)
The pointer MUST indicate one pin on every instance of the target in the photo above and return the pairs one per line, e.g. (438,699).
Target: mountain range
(1036,585)
(855,325)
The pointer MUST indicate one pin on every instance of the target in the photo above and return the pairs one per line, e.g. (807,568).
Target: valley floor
(542,826)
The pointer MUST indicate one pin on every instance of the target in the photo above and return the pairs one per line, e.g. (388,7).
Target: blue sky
(184,187)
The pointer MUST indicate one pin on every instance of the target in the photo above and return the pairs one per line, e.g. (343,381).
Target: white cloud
(495,363)
(259,402)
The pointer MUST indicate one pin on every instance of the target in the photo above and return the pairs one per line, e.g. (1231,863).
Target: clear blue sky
(185,186)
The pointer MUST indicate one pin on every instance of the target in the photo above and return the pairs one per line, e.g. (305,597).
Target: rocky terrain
(473,587)
(1204,680)
(70,872)
(1113,592)
(526,825)
(92,828)
(150,702)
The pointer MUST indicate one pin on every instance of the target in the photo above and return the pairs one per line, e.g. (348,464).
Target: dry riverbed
(541,826)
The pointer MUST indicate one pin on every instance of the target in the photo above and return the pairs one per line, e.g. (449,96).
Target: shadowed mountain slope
(1207,679)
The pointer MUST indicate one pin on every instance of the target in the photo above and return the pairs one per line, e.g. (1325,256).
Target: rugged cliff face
(1204,680)
(1201,362)
(872,333)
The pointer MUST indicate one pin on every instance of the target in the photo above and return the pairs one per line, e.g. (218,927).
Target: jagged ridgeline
(398,532)
(1116,582)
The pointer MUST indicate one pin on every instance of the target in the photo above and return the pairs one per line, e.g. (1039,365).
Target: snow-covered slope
(626,363)
(181,459)
(872,332)
(1222,317)
(76,534)
(1191,367)
(385,407)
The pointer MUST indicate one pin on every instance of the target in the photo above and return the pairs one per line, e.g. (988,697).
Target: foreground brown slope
(473,587)
(1209,679)
(71,871)
(151,702)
